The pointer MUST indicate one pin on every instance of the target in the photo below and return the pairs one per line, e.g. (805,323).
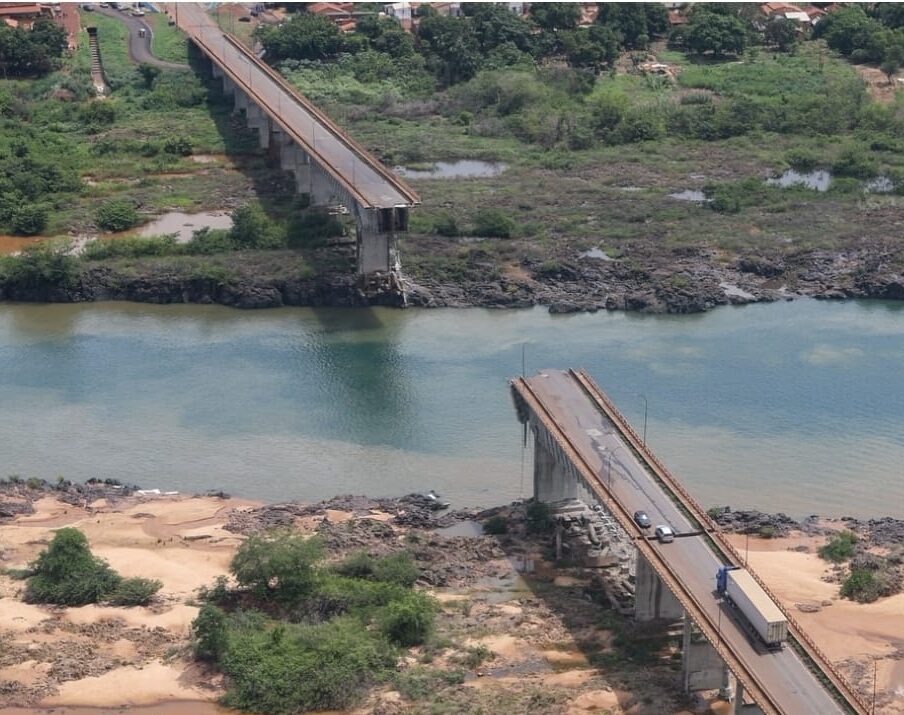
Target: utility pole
(644,398)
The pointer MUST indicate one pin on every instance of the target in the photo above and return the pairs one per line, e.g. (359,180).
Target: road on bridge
(783,674)
(323,139)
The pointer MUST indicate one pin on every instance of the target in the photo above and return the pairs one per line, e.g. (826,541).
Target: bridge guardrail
(313,109)
(814,651)
(657,561)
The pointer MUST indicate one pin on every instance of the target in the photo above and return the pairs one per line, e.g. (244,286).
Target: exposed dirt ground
(517,633)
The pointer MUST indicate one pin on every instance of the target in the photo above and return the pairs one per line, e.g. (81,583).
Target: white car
(665,534)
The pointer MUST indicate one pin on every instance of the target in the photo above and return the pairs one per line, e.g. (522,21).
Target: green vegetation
(168,42)
(66,573)
(495,525)
(863,585)
(297,634)
(840,547)
(32,52)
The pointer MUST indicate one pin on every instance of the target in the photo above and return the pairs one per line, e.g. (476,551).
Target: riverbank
(516,632)
(270,279)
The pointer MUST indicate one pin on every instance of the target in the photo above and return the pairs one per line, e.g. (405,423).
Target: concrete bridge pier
(259,120)
(652,598)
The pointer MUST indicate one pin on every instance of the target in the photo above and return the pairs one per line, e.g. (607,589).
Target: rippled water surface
(789,406)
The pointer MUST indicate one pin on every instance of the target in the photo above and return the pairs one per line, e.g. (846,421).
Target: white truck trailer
(760,611)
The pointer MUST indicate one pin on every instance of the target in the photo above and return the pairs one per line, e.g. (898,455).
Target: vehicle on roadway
(753,603)
(665,534)
(642,520)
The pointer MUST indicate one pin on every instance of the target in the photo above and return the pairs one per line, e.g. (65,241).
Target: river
(792,406)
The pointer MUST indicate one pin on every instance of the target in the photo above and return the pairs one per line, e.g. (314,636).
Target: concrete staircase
(97,66)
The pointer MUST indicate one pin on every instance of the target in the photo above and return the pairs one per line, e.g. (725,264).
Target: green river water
(792,406)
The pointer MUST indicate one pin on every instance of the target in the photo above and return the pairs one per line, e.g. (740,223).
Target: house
(773,10)
(23,14)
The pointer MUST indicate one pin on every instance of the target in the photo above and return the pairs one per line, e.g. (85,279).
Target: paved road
(373,189)
(139,47)
(783,674)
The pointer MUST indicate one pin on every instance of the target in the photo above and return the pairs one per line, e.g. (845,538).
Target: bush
(252,228)
(68,574)
(801,159)
(116,215)
(358,565)
(446,225)
(206,241)
(408,621)
(29,219)
(493,223)
(495,525)
(856,162)
(291,669)
(39,266)
(134,592)
(178,146)
(279,566)
(862,585)
(211,633)
(130,247)
(398,568)
(97,115)
(840,547)
(420,683)
(539,520)
(312,226)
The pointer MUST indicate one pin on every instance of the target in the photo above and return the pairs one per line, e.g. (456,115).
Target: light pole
(644,398)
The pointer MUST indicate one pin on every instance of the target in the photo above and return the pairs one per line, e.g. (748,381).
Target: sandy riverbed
(82,661)
(853,634)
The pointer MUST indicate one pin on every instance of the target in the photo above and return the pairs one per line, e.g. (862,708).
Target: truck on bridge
(745,594)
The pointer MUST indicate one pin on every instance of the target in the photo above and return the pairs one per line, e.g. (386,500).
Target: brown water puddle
(12,244)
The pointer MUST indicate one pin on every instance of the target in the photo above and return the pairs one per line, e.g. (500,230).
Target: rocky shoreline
(676,285)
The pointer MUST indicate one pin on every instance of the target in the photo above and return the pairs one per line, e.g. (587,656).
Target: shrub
(68,574)
(211,633)
(840,547)
(280,565)
(98,114)
(446,225)
(409,620)
(855,161)
(493,223)
(29,219)
(311,227)
(40,266)
(801,159)
(178,146)
(862,585)
(420,683)
(206,241)
(495,525)
(252,228)
(291,669)
(116,215)
(134,592)
(538,518)
(398,568)
(130,247)
(358,565)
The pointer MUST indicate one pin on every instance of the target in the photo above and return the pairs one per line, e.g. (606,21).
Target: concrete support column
(258,119)
(228,84)
(374,246)
(322,193)
(702,667)
(241,101)
(552,482)
(216,71)
(652,598)
(293,158)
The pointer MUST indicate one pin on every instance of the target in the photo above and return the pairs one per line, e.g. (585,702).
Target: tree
(280,565)
(556,15)
(386,35)
(594,47)
(148,74)
(304,37)
(848,29)
(67,573)
(116,215)
(719,34)
(782,33)
(495,25)
(450,46)
(28,219)
(636,23)
(211,633)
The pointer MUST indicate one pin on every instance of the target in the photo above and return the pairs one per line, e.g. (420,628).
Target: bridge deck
(365,178)
(783,674)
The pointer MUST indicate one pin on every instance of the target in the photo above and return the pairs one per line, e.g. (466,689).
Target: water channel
(788,406)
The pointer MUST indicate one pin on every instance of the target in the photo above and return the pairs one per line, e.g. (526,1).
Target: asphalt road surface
(373,189)
(139,47)
(785,677)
